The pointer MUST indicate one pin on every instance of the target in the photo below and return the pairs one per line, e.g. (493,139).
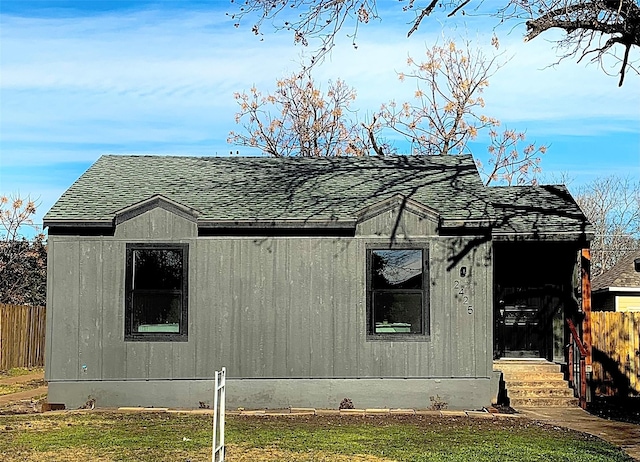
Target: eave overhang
(476,223)
(77,223)
(565,236)
(284,223)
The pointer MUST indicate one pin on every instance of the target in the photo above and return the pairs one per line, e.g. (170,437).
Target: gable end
(157,201)
(397,217)
(398,202)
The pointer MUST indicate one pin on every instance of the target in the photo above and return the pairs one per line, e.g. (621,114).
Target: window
(156,292)
(398,297)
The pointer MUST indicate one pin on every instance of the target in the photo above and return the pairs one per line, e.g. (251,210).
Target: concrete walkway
(624,435)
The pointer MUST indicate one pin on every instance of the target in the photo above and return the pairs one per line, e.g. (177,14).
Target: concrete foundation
(416,393)
(497,387)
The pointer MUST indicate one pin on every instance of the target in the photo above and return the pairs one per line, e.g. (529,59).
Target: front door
(529,323)
(518,331)
(534,286)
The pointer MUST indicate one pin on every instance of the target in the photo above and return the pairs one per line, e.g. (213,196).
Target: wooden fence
(616,353)
(22,330)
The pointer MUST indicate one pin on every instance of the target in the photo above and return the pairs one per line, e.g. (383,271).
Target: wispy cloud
(162,81)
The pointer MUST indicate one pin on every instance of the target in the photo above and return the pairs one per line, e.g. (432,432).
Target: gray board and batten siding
(277,281)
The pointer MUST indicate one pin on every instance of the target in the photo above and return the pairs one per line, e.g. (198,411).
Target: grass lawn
(102,436)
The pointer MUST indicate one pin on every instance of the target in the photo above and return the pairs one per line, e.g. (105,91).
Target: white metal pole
(215,417)
(223,399)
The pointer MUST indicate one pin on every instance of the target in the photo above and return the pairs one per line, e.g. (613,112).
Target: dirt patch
(234,453)
(18,372)
(70,420)
(11,388)
(75,455)
(24,406)
(83,455)
(503,409)
(239,454)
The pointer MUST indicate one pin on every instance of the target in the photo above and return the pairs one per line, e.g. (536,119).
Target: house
(389,281)
(618,289)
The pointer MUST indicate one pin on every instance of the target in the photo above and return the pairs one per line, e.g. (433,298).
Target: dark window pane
(396,269)
(157,269)
(156,302)
(156,312)
(397,313)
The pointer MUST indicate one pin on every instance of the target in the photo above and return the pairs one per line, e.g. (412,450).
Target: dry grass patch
(70,455)
(18,371)
(9,389)
(68,421)
(236,453)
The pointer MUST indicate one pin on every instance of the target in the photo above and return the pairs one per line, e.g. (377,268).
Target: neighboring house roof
(547,211)
(621,275)
(326,191)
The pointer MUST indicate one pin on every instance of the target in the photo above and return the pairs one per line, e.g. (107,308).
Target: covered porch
(537,289)
(542,294)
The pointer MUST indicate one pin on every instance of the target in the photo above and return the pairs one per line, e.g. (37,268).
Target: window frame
(182,334)
(426,301)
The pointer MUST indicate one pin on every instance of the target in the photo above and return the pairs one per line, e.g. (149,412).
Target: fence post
(585,264)
(219,398)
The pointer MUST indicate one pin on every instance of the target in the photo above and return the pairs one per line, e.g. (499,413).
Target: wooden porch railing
(577,369)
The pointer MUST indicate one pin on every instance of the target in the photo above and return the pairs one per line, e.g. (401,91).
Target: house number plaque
(462,296)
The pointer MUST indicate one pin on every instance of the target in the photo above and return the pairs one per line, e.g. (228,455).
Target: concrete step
(507,366)
(535,392)
(544,402)
(533,376)
(535,383)
(538,383)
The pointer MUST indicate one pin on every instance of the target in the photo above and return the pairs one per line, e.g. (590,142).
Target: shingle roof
(623,274)
(325,189)
(228,188)
(537,210)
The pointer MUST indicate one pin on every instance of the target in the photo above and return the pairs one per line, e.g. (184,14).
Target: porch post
(586,322)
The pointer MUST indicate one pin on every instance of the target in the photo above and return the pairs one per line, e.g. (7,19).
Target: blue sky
(79,79)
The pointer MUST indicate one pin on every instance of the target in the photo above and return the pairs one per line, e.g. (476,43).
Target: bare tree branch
(587,24)
(459,7)
(424,12)
(612,205)
(299,119)
(591,26)
(370,131)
